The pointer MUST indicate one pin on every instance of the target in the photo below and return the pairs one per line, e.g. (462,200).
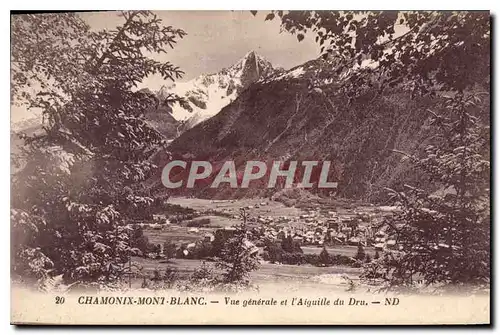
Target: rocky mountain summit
(207,94)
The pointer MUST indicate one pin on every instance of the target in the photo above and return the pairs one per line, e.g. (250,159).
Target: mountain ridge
(300,115)
(207,94)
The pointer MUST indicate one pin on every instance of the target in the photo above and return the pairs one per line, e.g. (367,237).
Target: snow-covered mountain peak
(207,94)
(252,66)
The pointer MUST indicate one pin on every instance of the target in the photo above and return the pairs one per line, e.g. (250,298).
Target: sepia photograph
(250,167)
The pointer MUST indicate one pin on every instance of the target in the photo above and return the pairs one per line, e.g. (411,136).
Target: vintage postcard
(250,167)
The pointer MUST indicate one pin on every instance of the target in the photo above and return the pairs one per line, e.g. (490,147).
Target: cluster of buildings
(317,228)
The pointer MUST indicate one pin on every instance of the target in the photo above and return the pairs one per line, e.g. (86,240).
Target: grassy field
(175,234)
(344,250)
(301,276)
(179,233)
(272,208)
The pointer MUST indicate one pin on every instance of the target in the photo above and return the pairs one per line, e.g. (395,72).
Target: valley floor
(296,277)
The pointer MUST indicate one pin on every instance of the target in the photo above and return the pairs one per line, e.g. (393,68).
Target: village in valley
(339,229)
(287,161)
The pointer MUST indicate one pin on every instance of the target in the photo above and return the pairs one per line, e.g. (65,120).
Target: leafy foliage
(425,50)
(138,240)
(160,280)
(204,275)
(78,180)
(443,236)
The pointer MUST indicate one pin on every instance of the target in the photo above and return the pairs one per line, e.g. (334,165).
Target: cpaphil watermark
(304,174)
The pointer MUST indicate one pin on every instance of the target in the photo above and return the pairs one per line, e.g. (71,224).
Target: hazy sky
(214,40)
(218,39)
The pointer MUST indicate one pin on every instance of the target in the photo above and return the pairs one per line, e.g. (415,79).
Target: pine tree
(236,257)
(360,254)
(368,258)
(169,249)
(287,244)
(328,237)
(324,257)
(77,182)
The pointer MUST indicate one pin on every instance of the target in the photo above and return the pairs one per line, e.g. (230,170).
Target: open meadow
(299,277)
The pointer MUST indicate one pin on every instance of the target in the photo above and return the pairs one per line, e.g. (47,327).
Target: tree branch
(119,35)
